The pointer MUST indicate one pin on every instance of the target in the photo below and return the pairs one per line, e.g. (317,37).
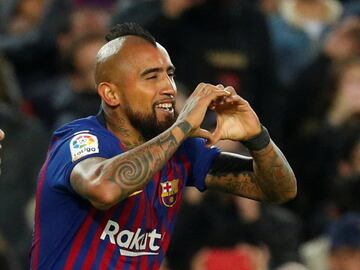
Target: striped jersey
(69,233)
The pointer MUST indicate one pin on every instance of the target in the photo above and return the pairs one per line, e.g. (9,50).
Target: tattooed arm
(105,182)
(266,176)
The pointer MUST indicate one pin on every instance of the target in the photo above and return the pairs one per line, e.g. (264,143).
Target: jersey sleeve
(201,158)
(68,152)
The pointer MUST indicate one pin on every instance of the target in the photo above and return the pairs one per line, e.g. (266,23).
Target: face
(344,259)
(84,63)
(147,87)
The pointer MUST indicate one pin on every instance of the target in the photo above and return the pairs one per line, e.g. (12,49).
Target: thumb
(203,133)
(217,133)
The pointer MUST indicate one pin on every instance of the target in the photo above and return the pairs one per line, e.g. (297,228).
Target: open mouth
(167,107)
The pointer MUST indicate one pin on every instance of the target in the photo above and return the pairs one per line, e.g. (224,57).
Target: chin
(168,121)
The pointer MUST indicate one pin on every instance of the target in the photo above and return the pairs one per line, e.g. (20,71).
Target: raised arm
(267,175)
(105,182)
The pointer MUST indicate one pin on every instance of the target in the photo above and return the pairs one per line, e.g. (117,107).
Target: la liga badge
(82,145)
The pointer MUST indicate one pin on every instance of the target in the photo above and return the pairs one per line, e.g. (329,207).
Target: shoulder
(84,136)
(79,126)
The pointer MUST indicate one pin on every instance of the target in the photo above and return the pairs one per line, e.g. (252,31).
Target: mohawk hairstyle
(130,29)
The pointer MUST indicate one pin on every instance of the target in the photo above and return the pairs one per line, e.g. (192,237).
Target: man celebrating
(110,189)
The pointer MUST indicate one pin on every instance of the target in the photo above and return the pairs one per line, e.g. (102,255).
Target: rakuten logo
(130,243)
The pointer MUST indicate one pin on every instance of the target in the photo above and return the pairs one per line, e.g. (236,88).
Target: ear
(109,94)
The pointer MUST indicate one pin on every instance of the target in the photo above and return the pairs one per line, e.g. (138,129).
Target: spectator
(73,94)
(23,150)
(297,32)
(345,243)
(226,222)
(27,39)
(335,104)
(341,43)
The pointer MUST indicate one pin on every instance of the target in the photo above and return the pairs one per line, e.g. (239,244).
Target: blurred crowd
(296,61)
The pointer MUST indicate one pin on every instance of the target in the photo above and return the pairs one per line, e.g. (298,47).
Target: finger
(213,95)
(231,90)
(220,86)
(234,99)
(204,89)
(216,135)
(207,87)
(199,88)
(203,133)
(216,94)
(239,100)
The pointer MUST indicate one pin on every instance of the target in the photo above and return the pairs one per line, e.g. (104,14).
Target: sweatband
(258,142)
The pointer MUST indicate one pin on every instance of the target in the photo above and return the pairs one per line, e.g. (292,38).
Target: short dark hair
(130,29)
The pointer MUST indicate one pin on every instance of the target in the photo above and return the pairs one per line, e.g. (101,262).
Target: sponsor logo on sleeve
(82,145)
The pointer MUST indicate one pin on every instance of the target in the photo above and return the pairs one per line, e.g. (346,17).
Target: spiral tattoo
(131,172)
(137,166)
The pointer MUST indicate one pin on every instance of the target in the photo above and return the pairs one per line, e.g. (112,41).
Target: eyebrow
(156,70)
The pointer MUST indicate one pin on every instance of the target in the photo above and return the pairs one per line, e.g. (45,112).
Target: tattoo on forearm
(242,184)
(136,167)
(271,179)
(274,174)
(185,127)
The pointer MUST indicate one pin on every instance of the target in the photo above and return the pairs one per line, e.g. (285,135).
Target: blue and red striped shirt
(70,233)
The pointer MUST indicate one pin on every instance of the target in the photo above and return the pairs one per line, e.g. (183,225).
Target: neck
(120,126)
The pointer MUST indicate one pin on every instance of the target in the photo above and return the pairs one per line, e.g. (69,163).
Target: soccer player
(111,186)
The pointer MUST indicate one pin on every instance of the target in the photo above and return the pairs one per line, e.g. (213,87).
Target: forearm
(234,174)
(273,174)
(131,171)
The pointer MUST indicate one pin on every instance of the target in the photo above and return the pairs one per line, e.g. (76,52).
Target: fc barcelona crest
(169,191)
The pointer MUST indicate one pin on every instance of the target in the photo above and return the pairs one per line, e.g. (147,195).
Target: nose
(168,86)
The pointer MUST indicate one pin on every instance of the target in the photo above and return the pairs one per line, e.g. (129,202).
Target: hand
(236,120)
(196,105)
(2,136)
(346,104)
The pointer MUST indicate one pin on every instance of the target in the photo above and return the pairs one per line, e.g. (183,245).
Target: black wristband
(258,142)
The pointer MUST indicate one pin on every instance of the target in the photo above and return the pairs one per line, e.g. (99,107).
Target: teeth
(167,106)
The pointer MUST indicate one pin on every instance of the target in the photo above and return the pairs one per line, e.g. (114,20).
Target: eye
(152,77)
(171,74)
